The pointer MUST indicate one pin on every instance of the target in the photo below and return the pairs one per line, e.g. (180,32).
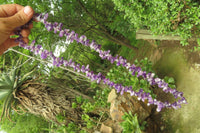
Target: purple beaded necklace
(119,60)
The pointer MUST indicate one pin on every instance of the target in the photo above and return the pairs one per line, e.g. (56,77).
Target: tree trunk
(39,99)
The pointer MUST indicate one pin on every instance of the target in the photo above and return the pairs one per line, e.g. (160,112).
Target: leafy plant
(9,84)
(70,128)
(163,17)
(119,75)
(131,124)
(99,105)
(137,77)
(170,81)
(29,122)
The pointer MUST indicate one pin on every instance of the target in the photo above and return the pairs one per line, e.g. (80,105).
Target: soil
(171,59)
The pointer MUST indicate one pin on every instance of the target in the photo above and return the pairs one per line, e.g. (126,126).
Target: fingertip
(25,32)
(28,11)
(20,18)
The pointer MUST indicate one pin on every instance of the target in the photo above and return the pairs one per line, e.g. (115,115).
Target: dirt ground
(171,59)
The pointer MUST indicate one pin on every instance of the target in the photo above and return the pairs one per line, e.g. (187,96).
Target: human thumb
(20,18)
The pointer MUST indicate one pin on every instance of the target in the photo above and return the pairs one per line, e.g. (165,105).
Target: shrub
(175,17)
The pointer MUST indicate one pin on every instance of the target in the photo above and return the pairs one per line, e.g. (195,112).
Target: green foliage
(145,64)
(89,123)
(26,123)
(9,84)
(119,74)
(127,52)
(79,99)
(163,16)
(83,55)
(131,124)
(170,81)
(60,118)
(106,27)
(62,128)
(74,105)
(87,106)
(70,128)
(101,98)
(197,48)
(100,102)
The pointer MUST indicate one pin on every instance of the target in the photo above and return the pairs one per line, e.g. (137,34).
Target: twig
(23,63)
(99,120)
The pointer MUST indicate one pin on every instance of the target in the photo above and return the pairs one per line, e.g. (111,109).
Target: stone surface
(115,113)
(112,95)
(114,125)
(127,103)
(106,129)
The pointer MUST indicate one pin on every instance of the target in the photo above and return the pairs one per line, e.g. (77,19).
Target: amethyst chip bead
(70,37)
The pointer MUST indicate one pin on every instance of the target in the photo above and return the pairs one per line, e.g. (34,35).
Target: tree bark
(40,99)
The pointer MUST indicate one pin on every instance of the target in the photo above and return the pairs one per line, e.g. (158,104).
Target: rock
(115,112)
(114,125)
(126,103)
(106,129)
(112,95)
